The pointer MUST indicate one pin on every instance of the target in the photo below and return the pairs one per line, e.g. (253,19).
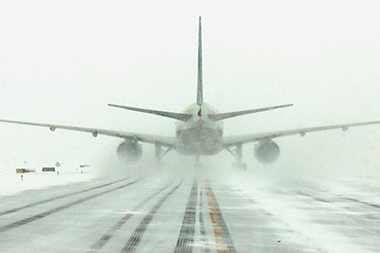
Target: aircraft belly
(199,142)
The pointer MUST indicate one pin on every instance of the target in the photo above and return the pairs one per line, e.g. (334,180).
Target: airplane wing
(163,140)
(241,139)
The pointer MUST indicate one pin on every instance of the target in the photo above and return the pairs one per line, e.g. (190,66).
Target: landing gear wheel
(241,166)
(197,163)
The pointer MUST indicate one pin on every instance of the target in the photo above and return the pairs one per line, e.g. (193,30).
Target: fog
(63,62)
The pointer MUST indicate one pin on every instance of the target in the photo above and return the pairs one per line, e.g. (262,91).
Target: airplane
(199,131)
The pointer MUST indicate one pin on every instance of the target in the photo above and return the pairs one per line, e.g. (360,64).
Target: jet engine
(267,151)
(129,151)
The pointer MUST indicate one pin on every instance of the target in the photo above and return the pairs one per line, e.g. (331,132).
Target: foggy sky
(62,62)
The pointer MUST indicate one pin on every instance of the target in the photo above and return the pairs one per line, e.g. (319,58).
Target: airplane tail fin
(186,116)
(178,116)
(200,78)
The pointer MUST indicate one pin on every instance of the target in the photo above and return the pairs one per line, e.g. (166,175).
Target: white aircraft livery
(199,130)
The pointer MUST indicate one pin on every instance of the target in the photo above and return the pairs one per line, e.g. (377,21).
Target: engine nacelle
(129,152)
(267,151)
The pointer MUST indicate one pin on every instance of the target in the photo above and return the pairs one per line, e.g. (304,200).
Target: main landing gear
(160,152)
(197,163)
(238,154)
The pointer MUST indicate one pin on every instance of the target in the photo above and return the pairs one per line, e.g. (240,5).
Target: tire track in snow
(60,208)
(112,231)
(137,235)
(186,235)
(202,224)
(13,210)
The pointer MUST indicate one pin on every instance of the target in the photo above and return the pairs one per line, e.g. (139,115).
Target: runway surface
(191,211)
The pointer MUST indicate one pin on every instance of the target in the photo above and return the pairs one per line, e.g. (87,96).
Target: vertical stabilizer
(200,80)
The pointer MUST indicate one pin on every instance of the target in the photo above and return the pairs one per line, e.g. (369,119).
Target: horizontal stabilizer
(177,116)
(227,115)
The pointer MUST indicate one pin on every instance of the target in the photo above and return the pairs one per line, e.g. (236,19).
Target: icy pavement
(340,215)
(187,210)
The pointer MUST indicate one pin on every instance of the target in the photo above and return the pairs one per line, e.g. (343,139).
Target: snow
(327,214)
(12,182)
(333,215)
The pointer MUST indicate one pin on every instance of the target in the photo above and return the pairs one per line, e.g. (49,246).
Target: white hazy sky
(63,61)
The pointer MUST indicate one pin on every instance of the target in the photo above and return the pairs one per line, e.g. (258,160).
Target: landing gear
(241,166)
(238,154)
(197,163)
(160,153)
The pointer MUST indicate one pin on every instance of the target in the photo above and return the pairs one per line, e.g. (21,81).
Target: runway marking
(186,235)
(223,238)
(111,232)
(137,235)
(59,197)
(202,224)
(58,209)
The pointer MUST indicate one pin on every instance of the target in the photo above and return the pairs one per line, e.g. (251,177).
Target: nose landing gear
(197,163)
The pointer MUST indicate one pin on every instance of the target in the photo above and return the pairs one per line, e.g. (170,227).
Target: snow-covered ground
(337,214)
(267,213)
(12,182)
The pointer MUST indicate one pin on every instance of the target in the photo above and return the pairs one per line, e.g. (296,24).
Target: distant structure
(24,170)
(48,169)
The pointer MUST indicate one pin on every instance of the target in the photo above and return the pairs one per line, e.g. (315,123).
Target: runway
(192,212)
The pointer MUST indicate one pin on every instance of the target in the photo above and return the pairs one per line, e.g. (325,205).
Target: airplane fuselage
(200,135)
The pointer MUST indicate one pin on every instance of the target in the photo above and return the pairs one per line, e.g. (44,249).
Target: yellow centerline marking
(220,237)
